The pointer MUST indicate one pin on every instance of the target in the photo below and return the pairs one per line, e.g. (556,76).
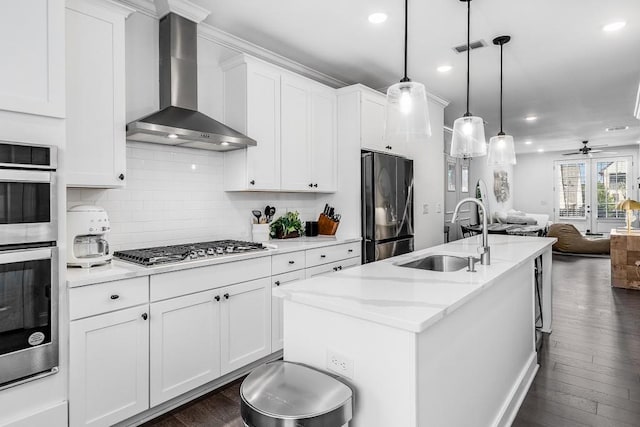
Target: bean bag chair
(571,241)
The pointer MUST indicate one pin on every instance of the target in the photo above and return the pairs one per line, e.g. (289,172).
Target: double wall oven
(28,262)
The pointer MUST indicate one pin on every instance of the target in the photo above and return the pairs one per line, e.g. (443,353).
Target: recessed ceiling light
(445,68)
(377,18)
(528,142)
(172,136)
(531,118)
(637,142)
(224,143)
(614,26)
(540,150)
(617,128)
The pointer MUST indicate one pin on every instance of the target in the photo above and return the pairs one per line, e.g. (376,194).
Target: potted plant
(287,226)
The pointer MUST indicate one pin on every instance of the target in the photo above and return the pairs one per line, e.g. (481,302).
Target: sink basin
(442,263)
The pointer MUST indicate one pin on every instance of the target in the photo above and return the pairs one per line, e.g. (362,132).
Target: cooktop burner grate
(192,251)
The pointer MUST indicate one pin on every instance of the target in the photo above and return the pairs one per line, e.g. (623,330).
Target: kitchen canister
(260,232)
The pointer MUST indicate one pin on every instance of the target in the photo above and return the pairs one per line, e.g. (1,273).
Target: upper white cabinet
(95,58)
(371,117)
(32,45)
(292,118)
(252,106)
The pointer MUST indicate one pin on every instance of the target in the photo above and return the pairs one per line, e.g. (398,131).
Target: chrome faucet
(485,251)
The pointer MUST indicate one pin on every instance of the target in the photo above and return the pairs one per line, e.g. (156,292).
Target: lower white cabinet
(245,323)
(184,344)
(276,307)
(109,375)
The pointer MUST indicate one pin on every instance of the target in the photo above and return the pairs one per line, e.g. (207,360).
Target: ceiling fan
(585,149)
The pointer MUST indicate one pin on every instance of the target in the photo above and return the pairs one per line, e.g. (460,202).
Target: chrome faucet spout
(485,250)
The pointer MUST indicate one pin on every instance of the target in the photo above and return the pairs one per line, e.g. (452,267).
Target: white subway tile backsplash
(175,195)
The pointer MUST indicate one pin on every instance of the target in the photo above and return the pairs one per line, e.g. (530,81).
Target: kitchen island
(426,348)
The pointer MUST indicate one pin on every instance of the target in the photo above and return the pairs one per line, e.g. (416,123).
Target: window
(611,184)
(571,187)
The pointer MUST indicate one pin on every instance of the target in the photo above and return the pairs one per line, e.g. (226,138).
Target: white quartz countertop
(118,270)
(409,298)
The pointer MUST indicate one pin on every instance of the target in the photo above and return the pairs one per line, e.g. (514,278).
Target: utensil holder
(260,232)
(327,226)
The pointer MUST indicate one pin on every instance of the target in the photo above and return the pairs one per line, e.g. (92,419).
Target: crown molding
(146,7)
(110,5)
(230,41)
(184,8)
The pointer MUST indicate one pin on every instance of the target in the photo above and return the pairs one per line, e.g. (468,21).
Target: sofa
(570,240)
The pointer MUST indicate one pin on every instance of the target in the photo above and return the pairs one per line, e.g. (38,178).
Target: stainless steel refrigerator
(387,206)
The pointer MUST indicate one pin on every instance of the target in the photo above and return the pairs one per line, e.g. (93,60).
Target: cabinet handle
(121,177)
(217,298)
(226,296)
(323,256)
(335,268)
(310,184)
(292,262)
(114,296)
(144,316)
(277,282)
(339,267)
(252,182)
(350,250)
(315,185)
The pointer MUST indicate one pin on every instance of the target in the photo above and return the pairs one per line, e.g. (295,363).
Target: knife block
(327,226)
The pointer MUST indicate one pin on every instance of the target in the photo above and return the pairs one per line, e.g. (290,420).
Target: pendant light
(501,149)
(407,114)
(468,131)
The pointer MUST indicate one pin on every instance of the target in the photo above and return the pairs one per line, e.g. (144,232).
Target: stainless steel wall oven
(28,262)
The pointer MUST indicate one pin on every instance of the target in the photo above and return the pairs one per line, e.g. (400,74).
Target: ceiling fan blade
(596,151)
(598,146)
(572,153)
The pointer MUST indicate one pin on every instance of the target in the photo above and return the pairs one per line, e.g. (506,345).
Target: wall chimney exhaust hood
(178,122)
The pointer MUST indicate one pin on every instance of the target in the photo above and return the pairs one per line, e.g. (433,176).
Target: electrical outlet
(339,364)
(425,209)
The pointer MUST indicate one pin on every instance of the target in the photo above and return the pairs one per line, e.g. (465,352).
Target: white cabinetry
(245,323)
(185,344)
(109,359)
(371,118)
(32,45)
(252,106)
(95,93)
(276,307)
(293,120)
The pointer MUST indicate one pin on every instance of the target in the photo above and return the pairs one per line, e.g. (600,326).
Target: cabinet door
(109,374)
(324,146)
(332,267)
(245,323)
(295,134)
(276,307)
(95,49)
(263,125)
(32,45)
(185,344)
(372,110)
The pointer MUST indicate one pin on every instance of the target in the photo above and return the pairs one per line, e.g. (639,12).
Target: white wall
(479,169)
(533,191)
(428,177)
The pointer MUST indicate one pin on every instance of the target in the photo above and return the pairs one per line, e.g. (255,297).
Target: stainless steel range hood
(178,122)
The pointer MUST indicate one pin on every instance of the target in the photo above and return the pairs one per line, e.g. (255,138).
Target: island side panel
(382,361)
(477,363)
(547,291)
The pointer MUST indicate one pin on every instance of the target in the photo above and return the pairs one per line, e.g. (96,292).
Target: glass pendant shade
(407,115)
(468,138)
(501,151)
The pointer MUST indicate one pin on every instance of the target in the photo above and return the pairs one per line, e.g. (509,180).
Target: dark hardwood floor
(589,366)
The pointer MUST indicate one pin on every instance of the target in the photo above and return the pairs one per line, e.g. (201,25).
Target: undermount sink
(444,263)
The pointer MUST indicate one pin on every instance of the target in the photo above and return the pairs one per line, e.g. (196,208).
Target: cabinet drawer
(183,282)
(332,267)
(334,253)
(109,296)
(287,262)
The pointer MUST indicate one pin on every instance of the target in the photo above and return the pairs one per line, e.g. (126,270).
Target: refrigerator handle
(406,214)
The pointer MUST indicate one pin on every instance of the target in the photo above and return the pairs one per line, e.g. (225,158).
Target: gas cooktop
(192,251)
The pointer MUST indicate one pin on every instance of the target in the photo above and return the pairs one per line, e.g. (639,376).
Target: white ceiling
(559,65)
